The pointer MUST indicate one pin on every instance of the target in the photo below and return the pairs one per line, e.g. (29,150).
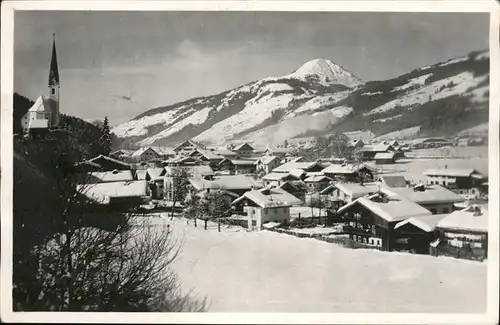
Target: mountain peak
(326,72)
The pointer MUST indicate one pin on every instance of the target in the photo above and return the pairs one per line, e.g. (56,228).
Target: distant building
(461,180)
(279,152)
(238,166)
(119,194)
(317,183)
(145,154)
(207,156)
(368,152)
(392,181)
(244,150)
(345,193)
(235,184)
(44,114)
(187,147)
(156,179)
(110,176)
(414,235)
(172,181)
(267,163)
(109,164)
(348,172)
(294,165)
(385,158)
(266,205)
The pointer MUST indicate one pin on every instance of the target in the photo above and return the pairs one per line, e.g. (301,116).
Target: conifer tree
(105,140)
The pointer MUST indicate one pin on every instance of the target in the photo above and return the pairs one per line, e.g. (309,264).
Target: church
(44,114)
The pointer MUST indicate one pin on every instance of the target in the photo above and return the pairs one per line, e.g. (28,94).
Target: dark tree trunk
(195,224)
(206,222)
(219,226)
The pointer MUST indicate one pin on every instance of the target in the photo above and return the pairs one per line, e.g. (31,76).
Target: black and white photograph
(247,160)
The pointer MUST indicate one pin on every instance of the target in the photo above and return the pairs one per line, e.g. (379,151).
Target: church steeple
(54,70)
(53,114)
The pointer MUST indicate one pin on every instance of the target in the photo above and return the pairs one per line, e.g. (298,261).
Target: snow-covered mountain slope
(321,97)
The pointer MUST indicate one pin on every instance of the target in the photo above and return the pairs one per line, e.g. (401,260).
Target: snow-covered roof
(317,179)
(193,171)
(243,146)
(393,181)
(270,197)
(102,192)
(377,147)
(426,223)
(342,169)
(123,152)
(274,176)
(287,167)
(393,210)
(355,190)
(384,155)
(465,220)
(282,150)
(140,151)
(188,142)
(116,161)
(225,152)
(226,182)
(209,154)
(430,194)
(43,104)
(141,174)
(113,176)
(267,159)
(243,162)
(455,172)
(156,173)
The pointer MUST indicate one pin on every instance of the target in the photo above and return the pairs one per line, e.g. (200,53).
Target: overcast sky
(159,58)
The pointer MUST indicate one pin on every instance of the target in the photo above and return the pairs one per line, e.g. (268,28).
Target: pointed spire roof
(54,70)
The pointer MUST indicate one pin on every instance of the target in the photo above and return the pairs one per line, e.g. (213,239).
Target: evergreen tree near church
(105,140)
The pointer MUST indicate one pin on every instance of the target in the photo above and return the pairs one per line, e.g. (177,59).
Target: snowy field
(264,271)
(451,152)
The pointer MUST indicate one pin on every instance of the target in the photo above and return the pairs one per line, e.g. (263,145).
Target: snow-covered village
(313,189)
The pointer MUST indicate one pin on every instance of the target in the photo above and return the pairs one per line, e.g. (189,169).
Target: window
(52,91)
(445,210)
(444,183)
(433,211)
(284,210)
(265,211)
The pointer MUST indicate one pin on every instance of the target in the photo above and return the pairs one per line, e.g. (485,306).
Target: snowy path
(270,272)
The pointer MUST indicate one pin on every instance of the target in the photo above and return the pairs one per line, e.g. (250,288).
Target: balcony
(358,231)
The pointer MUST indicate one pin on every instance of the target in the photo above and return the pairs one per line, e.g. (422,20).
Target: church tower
(54,85)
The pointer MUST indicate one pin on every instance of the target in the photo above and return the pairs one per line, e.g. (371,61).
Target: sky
(160,58)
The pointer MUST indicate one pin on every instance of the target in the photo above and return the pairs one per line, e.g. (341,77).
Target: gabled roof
(43,104)
(430,194)
(377,147)
(267,159)
(113,176)
(465,220)
(426,223)
(207,154)
(355,190)
(287,167)
(188,142)
(342,169)
(140,151)
(391,211)
(282,150)
(270,197)
(393,181)
(243,146)
(102,192)
(317,179)
(123,152)
(384,155)
(274,176)
(226,182)
(116,161)
(155,173)
(455,172)
(141,174)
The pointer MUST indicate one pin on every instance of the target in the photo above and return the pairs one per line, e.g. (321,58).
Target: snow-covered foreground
(263,271)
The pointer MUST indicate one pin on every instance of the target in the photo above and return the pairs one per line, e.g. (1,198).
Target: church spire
(54,70)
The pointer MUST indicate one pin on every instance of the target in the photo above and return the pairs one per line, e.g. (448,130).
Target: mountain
(321,97)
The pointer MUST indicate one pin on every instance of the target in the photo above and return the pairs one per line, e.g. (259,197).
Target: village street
(242,271)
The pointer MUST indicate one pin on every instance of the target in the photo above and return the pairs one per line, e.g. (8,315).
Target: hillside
(321,97)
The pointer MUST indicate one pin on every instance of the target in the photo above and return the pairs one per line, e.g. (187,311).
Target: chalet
(356,144)
(463,234)
(244,150)
(458,180)
(294,165)
(238,166)
(368,152)
(187,147)
(415,234)
(296,188)
(280,178)
(173,179)
(155,177)
(435,198)
(109,164)
(371,220)
(226,153)
(125,194)
(266,205)
(110,177)
(122,154)
(165,152)
(385,158)
(317,183)
(87,166)
(392,181)
(207,156)
(145,154)
(348,173)
(267,163)
(182,161)
(345,193)
(235,184)
(279,152)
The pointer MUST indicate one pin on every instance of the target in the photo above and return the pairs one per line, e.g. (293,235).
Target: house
(244,150)
(317,183)
(345,193)
(238,166)
(463,234)
(109,176)
(371,220)
(187,147)
(356,144)
(415,234)
(140,174)
(392,181)
(462,181)
(279,152)
(44,114)
(266,205)
(165,152)
(368,152)
(122,154)
(87,166)
(294,165)
(267,163)
(109,164)
(155,177)
(124,194)
(145,154)
(173,179)
(385,158)
(225,152)
(348,172)
(235,184)
(296,188)
(435,198)
(207,156)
